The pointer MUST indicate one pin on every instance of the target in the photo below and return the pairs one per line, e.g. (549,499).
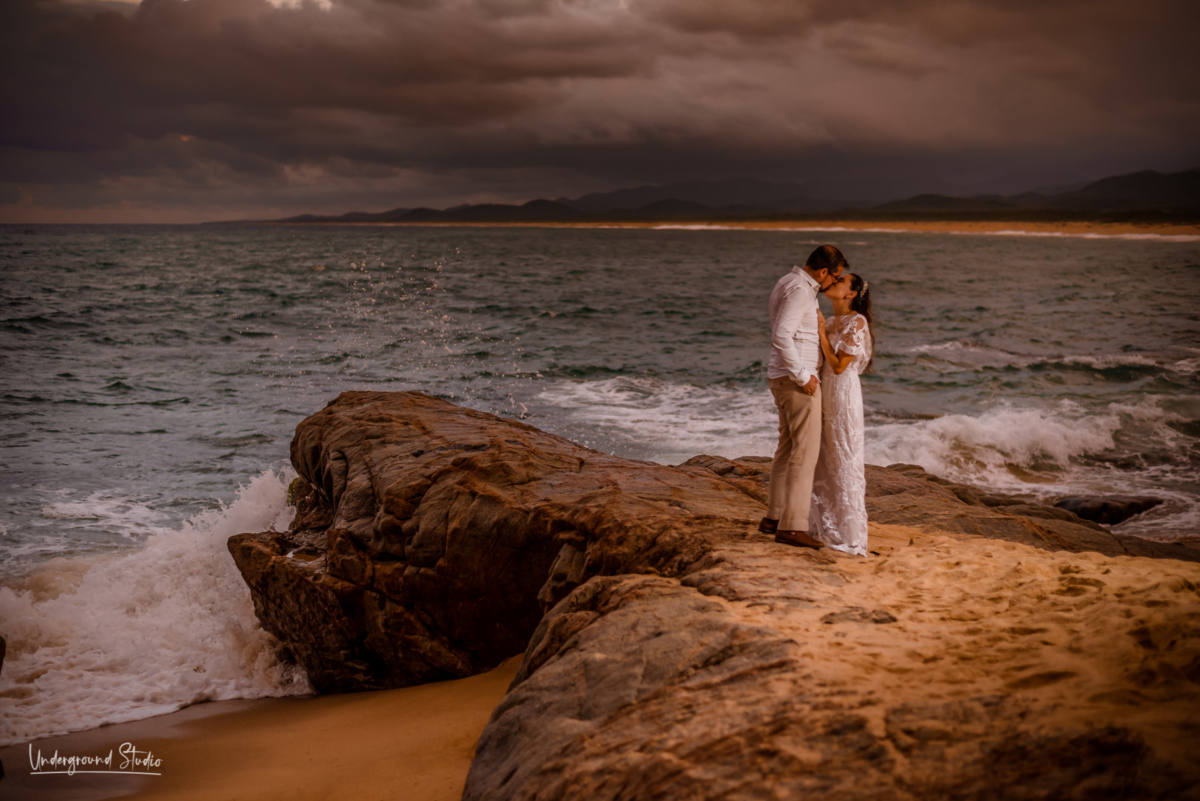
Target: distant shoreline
(1070,228)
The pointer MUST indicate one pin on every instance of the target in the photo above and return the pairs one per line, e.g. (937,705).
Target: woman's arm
(838,361)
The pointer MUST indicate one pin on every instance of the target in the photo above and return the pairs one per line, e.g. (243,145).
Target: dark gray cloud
(201,109)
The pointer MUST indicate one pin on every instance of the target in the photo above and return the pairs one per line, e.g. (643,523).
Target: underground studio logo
(126,761)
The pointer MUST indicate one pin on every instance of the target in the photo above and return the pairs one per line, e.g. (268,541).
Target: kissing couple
(817,495)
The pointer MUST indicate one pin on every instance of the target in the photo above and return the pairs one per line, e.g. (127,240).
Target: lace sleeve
(854,341)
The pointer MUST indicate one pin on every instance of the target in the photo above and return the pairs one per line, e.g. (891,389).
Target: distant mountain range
(748,194)
(1141,194)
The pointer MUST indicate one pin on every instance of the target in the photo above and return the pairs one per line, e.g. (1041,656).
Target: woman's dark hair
(861,303)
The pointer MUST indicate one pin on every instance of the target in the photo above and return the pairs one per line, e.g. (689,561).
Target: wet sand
(414,744)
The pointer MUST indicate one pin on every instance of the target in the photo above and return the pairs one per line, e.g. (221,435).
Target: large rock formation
(431,539)
(990,649)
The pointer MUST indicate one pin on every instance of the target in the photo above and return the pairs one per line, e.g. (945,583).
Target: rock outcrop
(431,538)
(1108,509)
(990,648)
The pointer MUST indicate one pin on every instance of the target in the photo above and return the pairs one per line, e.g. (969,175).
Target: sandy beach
(977,227)
(414,744)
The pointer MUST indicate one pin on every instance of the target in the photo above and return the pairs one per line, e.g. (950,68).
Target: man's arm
(783,335)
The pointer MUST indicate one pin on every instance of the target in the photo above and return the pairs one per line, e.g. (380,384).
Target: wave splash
(668,422)
(1042,451)
(731,420)
(99,640)
(987,447)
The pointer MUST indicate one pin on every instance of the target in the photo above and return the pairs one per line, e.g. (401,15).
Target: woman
(839,510)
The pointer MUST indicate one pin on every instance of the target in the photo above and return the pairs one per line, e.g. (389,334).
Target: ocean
(151,378)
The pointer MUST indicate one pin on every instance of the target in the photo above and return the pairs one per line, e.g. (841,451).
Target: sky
(170,111)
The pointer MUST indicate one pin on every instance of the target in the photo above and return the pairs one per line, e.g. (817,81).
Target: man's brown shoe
(798,538)
(768,526)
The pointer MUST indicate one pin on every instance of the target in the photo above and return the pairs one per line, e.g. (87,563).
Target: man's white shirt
(795,344)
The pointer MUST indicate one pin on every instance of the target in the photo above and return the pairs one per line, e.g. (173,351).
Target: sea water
(151,379)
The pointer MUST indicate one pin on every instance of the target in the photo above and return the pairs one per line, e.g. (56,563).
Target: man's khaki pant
(790,492)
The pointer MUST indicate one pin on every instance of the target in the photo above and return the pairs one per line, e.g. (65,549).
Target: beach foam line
(901,230)
(107,639)
(935,227)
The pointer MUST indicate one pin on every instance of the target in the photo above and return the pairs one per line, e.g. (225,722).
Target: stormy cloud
(182,110)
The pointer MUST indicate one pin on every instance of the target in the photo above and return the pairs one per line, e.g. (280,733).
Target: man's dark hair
(826,257)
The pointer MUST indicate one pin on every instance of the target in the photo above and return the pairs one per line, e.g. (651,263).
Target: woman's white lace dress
(839,508)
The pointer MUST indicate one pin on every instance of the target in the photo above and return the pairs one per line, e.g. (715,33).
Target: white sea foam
(1051,453)
(729,420)
(97,640)
(1055,450)
(1044,451)
(964,353)
(974,354)
(1185,366)
(982,448)
(128,517)
(673,421)
(1105,362)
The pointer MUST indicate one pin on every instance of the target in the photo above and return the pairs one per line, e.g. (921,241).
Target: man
(792,375)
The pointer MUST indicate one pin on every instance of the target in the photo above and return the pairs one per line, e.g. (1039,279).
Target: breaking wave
(94,640)
(1048,451)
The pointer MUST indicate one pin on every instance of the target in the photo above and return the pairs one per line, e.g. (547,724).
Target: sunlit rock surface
(988,648)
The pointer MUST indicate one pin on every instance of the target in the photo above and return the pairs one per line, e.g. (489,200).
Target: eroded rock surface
(431,538)
(990,648)
(984,653)
(1108,509)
